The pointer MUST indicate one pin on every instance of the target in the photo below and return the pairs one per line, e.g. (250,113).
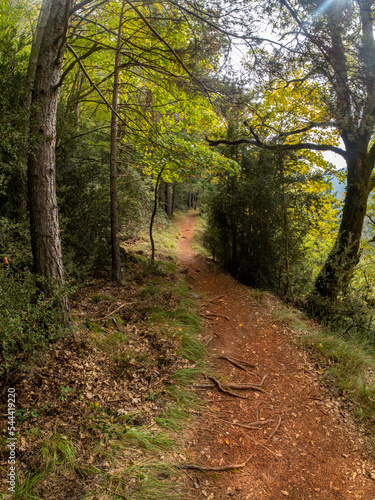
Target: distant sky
(335,159)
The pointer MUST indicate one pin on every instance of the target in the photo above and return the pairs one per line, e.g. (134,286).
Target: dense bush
(28,321)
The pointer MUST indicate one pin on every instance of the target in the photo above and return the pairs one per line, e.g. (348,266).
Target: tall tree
(115,239)
(44,223)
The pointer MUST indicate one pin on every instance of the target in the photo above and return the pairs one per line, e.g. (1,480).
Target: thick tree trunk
(44,224)
(339,266)
(115,240)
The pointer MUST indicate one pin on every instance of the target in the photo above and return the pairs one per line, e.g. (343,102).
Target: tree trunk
(153,216)
(168,199)
(34,54)
(44,224)
(115,240)
(173,198)
(344,256)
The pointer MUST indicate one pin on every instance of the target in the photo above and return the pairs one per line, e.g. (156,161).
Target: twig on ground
(113,312)
(261,445)
(216,469)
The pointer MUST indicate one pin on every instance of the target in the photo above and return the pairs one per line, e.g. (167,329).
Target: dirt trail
(302,446)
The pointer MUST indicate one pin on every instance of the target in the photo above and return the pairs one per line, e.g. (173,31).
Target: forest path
(302,445)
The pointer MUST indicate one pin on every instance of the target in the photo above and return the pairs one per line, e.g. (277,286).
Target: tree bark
(44,223)
(115,240)
(168,199)
(153,215)
(35,48)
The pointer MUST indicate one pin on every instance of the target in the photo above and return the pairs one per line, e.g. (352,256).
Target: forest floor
(293,438)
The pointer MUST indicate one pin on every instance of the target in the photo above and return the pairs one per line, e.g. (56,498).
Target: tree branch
(93,83)
(80,6)
(279,147)
(167,44)
(95,48)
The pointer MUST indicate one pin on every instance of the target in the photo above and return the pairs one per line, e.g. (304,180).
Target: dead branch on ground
(113,312)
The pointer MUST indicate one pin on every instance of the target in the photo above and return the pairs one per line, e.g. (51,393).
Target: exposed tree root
(275,429)
(207,315)
(237,364)
(251,426)
(239,361)
(225,391)
(216,469)
(215,298)
(231,385)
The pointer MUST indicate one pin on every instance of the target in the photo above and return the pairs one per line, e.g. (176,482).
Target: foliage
(29,321)
(14,39)
(259,220)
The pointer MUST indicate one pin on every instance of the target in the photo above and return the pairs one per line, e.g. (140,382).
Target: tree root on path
(240,363)
(216,469)
(275,429)
(215,298)
(224,387)
(207,315)
(251,426)
(235,386)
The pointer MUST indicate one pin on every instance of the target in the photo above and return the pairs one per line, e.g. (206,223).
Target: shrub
(29,320)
